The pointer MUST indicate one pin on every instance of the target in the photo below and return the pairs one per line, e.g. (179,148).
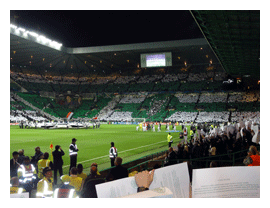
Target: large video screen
(156,60)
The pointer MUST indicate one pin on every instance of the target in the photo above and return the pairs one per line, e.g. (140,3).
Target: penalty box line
(119,152)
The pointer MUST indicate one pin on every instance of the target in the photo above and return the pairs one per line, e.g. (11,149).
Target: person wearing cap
(45,185)
(95,164)
(89,185)
(58,162)
(73,151)
(113,153)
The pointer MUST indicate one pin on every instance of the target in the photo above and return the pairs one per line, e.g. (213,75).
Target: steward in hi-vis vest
(113,153)
(73,151)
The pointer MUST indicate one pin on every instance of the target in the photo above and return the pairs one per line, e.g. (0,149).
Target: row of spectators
(192,77)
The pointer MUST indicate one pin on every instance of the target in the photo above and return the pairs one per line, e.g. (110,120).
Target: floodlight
(33,34)
(13,26)
(21,29)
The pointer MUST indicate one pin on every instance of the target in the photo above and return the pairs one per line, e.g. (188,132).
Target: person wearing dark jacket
(14,165)
(172,157)
(117,172)
(58,162)
(89,185)
(179,152)
(21,156)
(38,155)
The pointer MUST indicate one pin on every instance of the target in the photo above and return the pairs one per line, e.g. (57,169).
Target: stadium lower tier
(156,107)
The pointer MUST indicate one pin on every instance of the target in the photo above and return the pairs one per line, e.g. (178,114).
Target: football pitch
(93,144)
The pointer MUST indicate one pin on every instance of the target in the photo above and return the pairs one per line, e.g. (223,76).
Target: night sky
(96,28)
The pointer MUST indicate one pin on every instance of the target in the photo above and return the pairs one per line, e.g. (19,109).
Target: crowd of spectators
(197,77)
(119,116)
(148,78)
(218,117)
(125,79)
(133,98)
(182,117)
(187,98)
(244,97)
(218,143)
(213,97)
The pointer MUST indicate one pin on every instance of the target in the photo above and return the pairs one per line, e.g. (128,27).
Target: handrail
(201,159)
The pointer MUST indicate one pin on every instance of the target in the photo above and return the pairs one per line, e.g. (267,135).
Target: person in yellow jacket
(191,133)
(73,180)
(80,172)
(43,163)
(95,164)
(45,185)
(169,139)
(14,186)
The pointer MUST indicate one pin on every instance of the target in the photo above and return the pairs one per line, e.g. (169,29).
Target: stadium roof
(232,39)
(234,36)
(26,51)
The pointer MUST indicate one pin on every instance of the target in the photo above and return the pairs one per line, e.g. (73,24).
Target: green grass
(93,144)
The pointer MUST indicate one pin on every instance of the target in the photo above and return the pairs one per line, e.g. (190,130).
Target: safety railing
(148,162)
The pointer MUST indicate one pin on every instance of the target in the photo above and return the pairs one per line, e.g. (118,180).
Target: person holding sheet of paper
(144,179)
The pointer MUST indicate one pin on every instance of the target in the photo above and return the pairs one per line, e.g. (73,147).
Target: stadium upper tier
(192,78)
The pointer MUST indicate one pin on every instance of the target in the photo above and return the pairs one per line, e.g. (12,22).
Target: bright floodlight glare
(44,39)
(21,29)
(39,38)
(13,26)
(33,34)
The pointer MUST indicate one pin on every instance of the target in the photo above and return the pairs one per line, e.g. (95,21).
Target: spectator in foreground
(80,172)
(117,172)
(89,186)
(214,164)
(45,185)
(14,186)
(144,179)
(253,157)
(43,163)
(172,157)
(21,156)
(27,175)
(73,180)
(14,165)
(95,164)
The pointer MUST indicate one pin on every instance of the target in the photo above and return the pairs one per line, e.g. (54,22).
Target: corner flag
(51,147)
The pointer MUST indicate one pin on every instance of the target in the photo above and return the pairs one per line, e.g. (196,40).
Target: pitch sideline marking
(119,152)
